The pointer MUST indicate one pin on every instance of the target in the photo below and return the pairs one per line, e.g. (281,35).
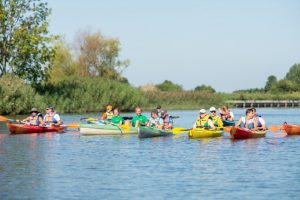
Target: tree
(63,64)
(169,86)
(205,88)
(25,48)
(272,80)
(99,56)
(294,73)
(284,86)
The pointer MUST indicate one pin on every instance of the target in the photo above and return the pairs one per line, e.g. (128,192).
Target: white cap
(212,109)
(202,111)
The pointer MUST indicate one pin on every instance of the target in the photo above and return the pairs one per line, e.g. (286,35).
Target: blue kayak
(228,123)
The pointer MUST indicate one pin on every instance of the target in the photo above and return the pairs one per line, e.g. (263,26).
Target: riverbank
(82,95)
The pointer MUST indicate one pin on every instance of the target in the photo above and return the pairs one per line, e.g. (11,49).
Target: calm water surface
(67,166)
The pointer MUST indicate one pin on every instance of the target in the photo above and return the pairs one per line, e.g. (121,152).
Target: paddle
(275,128)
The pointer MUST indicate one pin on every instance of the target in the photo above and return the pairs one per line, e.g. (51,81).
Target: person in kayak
(35,118)
(202,120)
(155,120)
(158,109)
(108,114)
(51,117)
(226,114)
(117,119)
(139,119)
(216,120)
(248,121)
(167,120)
(261,123)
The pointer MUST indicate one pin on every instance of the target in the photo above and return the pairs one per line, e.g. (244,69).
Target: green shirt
(142,119)
(116,119)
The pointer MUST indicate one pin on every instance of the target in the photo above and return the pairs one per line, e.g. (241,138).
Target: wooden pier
(264,103)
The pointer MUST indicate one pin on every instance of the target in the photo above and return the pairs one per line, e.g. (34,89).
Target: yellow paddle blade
(91,119)
(125,127)
(74,125)
(3,119)
(274,128)
(179,130)
(227,129)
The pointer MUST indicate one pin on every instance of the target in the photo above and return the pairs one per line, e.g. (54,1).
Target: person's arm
(104,116)
(23,120)
(238,123)
(57,118)
(41,120)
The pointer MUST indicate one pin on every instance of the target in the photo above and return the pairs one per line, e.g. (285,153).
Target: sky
(230,45)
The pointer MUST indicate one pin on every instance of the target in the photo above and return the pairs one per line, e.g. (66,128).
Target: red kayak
(25,129)
(291,129)
(241,133)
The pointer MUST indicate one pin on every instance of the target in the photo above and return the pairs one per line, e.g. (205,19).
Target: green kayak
(106,129)
(148,132)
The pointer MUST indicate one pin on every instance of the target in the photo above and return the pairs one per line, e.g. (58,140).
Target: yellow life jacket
(202,121)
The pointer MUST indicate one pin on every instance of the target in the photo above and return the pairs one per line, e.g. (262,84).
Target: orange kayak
(26,129)
(291,129)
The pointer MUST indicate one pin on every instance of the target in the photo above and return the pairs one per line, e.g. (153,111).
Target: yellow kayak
(204,133)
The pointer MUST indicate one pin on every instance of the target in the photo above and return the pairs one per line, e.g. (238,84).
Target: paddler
(35,118)
(139,119)
(167,120)
(216,120)
(108,114)
(248,121)
(51,117)
(202,119)
(261,123)
(155,120)
(226,114)
(117,119)
(158,109)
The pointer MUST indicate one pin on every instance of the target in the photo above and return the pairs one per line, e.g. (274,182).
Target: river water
(67,166)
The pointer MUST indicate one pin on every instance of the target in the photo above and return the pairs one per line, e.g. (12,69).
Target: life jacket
(226,116)
(249,125)
(167,120)
(34,120)
(215,120)
(109,115)
(258,121)
(202,121)
(49,118)
(155,121)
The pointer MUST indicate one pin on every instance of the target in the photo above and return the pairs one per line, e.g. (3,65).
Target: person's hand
(18,121)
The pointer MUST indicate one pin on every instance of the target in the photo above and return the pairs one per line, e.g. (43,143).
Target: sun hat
(212,109)
(202,111)
(34,110)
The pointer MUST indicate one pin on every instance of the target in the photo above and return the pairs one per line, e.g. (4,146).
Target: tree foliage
(169,86)
(99,57)
(294,74)
(25,48)
(205,88)
(272,80)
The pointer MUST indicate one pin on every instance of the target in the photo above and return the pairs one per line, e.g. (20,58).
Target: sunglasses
(213,111)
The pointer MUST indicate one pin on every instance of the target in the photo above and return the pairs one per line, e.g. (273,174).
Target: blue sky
(230,45)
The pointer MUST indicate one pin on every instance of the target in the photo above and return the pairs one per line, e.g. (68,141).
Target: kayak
(148,132)
(291,129)
(204,133)
(26,129)
(228,123)
(105,129)
(241,133)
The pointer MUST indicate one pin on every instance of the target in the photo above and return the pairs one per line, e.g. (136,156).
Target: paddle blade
(179,130)
(274,128)
(125,127)
(227,129)
(74,125)
(92,119)
(3,119)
